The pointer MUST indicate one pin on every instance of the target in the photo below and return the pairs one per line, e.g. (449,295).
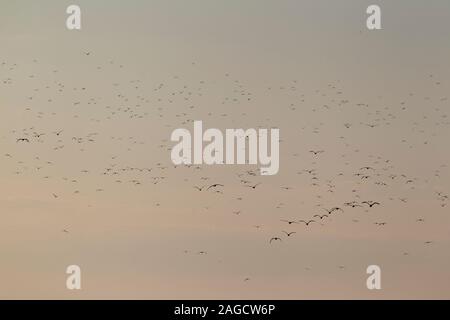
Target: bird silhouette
(307,223)
(289,221)
(371,203)
(274,239)
(215,186)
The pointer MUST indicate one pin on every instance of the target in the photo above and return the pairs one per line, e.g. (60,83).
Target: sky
(95,185)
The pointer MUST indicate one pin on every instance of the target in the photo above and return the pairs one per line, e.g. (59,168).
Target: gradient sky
(309,68)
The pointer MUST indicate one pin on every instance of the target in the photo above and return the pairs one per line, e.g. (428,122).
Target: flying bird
(330,211)
(275,239)
(215,186)
(307,222)
(371,203)
(289,221)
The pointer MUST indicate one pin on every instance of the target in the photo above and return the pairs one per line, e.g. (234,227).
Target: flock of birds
(178,106)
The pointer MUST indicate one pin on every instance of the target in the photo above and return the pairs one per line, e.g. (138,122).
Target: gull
(371,203)
(332,210)
(307,222)
(289,233)
(274,239)
(289,221)
(352,204)
(215,185)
